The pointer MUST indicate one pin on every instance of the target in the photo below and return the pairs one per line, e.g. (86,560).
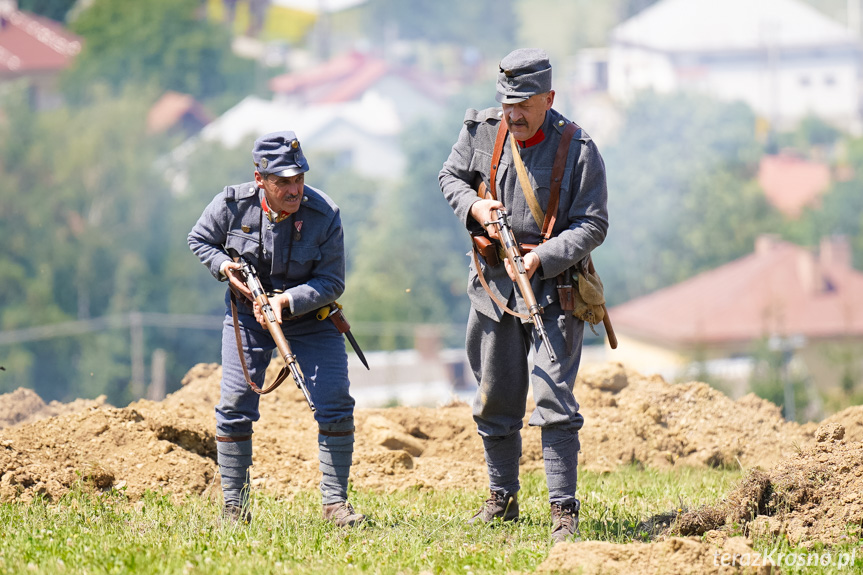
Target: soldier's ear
(549,99)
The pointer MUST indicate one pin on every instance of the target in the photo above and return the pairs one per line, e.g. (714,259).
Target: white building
(782,57)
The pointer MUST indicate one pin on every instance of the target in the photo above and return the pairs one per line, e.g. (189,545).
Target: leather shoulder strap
(556,177)
(502,131)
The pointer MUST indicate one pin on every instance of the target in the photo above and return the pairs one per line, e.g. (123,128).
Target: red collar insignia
(533,140)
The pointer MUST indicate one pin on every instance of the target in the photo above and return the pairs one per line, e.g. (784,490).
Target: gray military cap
(279,154)
(523,73)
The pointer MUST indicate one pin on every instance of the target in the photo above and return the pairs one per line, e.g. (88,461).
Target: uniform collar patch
(271,215)
(533,140)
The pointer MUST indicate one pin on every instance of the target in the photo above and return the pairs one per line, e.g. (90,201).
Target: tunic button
(560,122)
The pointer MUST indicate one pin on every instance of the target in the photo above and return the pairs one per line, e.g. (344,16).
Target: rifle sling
(546,222)
(501,304)
(283,375)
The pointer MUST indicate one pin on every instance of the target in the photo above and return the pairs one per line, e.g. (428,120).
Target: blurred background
(731,133)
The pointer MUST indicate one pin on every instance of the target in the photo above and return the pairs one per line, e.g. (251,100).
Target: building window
(829,80)
(805,81)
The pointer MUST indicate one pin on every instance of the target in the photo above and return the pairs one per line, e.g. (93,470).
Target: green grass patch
(410,531)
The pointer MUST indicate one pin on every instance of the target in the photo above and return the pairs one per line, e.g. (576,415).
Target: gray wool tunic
(582,218)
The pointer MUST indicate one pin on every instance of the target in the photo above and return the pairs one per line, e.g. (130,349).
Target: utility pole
(136,328)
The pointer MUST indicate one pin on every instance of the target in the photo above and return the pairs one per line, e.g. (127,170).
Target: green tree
(681,197)
(54,9)
(158,43)
(84,209)
(410,264)
(487,25)
(839,212)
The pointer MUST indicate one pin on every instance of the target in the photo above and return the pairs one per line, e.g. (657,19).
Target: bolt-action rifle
(250,278)
(516,262)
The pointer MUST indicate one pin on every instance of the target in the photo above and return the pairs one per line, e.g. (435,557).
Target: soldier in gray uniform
(498,344)
(292,234)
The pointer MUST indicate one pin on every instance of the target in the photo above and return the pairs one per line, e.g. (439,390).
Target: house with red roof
(176,112)
(350,111)
(35,50)
(352,75)
(784,58)
(780,291)
(791,183)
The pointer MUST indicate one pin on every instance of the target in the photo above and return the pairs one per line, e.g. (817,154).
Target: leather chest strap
(556,178)
(502,131)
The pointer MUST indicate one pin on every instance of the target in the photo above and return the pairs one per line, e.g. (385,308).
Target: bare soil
(674,556)
(811,497)
(803,490)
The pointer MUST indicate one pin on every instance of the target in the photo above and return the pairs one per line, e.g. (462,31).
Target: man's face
(525,118)
(284,194)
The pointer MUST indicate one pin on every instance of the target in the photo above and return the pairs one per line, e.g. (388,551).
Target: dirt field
(629,418)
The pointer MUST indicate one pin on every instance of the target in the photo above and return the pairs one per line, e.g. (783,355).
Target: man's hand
(277,302)
(531,264)
(481,211)
(235,276)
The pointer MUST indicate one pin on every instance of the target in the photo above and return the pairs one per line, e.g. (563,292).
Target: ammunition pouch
(492,252)
(589,297)
(487,248)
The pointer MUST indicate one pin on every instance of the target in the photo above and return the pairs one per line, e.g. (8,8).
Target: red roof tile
(30,43)
(791,183)
(345,78)
(780,289)
(331,71)
(171,108)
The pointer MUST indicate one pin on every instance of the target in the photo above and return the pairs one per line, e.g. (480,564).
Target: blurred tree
(488,25)
(564,28)
(85,213)
(681,198)
(158,43)
(840,211)
(410,265)
(54,9)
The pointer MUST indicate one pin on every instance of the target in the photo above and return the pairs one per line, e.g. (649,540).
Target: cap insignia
(264,163)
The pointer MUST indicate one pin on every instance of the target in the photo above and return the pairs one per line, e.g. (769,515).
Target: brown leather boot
(343,514)
(236,514)
(564,521)
(497,506)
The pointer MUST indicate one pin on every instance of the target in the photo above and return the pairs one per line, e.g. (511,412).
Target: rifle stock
(275,329)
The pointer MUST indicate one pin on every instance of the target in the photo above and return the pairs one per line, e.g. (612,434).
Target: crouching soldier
(292,235)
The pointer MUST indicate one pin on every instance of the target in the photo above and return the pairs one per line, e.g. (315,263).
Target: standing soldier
(292,234)
(563,212)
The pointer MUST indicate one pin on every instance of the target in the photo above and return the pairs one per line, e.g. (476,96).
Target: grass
(411,531)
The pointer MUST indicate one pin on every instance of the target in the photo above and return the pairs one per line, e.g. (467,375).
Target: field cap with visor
(523,73)
(279,154)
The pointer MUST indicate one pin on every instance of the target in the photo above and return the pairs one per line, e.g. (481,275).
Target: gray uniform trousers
(498,355)
(321,354)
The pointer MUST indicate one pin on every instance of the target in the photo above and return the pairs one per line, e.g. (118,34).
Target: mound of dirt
(852,420)
(812,497)
(25,406)
(651,422)
(170,444)
(671,557)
